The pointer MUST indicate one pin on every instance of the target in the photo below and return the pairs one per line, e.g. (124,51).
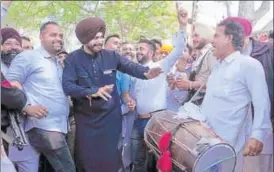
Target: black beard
(8,57)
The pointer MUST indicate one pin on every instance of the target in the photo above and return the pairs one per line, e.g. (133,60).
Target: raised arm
(69,81)
(179,41)
(131,68)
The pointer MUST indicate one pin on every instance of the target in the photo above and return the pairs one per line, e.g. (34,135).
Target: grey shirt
(41,78)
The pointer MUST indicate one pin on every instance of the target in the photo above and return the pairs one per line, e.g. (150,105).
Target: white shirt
(233,84)
(150,95)
(176,97)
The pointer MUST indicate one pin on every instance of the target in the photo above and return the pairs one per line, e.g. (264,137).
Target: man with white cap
(202,36)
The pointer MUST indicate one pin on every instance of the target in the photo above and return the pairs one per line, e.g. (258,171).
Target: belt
(148,115)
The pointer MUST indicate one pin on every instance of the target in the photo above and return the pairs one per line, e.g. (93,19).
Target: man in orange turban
(165,50)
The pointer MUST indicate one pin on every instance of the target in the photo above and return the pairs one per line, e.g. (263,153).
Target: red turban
(7,33)
(87,29)
(244,22)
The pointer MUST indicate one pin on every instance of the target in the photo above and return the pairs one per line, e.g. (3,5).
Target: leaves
(130,19)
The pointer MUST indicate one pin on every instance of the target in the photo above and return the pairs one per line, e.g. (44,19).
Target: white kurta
(233,84)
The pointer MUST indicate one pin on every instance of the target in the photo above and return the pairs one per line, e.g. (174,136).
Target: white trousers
(261,163)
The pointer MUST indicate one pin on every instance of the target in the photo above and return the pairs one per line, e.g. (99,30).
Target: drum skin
(187,155)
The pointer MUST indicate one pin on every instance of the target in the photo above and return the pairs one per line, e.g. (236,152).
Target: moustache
(97,45)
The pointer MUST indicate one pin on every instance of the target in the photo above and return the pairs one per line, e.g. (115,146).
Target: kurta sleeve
(69,81)
(260,99)
(12,98)
(131,68)
(170,60)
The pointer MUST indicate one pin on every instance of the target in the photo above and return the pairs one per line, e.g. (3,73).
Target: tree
(246,9)
(130,19)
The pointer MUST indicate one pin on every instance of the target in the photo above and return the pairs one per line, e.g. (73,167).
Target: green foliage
(130,19)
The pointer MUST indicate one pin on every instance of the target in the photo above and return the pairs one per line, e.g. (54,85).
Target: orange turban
(166,48)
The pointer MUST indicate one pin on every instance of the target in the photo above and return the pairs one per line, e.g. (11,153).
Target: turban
(247,26)
(87,29)
(166,48)
(7,33)
(204,31)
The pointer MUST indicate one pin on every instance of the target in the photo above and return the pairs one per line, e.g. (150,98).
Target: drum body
(194,146)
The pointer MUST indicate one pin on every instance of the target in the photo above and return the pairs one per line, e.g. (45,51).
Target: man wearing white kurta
(235,82)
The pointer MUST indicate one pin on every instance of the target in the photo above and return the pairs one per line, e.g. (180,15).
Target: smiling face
(96,44)
(144,53)
(11,45)
(128,51)
(52,39)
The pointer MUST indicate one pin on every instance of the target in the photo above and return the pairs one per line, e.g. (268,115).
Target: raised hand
(171,81)
(182,84)
(131,104)
(153,72)
(182,15)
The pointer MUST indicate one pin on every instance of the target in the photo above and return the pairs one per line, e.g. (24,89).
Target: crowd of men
(86,110)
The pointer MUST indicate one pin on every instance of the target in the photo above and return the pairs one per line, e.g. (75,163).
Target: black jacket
(11,98)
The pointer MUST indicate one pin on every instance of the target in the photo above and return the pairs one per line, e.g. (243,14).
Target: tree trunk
(264,8)
(246,9)
(228,10)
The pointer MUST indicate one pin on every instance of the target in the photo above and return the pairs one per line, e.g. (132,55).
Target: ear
(229,38)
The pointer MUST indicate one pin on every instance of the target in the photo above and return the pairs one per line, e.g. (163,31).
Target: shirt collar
(231,57)
(44,53)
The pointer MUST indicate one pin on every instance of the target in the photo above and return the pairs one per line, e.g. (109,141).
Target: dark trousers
(54,147)
(139,149)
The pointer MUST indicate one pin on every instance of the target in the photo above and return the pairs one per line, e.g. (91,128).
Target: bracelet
(190,85)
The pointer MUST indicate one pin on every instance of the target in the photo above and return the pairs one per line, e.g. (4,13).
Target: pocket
(109,76)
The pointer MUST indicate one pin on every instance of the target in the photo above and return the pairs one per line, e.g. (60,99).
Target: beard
(8,56)
(201,45)
(142,59)
(95,48)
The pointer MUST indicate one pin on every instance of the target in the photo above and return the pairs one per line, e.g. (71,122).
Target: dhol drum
(194,147)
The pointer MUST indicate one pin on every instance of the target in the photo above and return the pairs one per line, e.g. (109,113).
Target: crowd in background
(63,95)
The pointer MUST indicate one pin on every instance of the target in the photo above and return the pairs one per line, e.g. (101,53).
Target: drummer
(231,88)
